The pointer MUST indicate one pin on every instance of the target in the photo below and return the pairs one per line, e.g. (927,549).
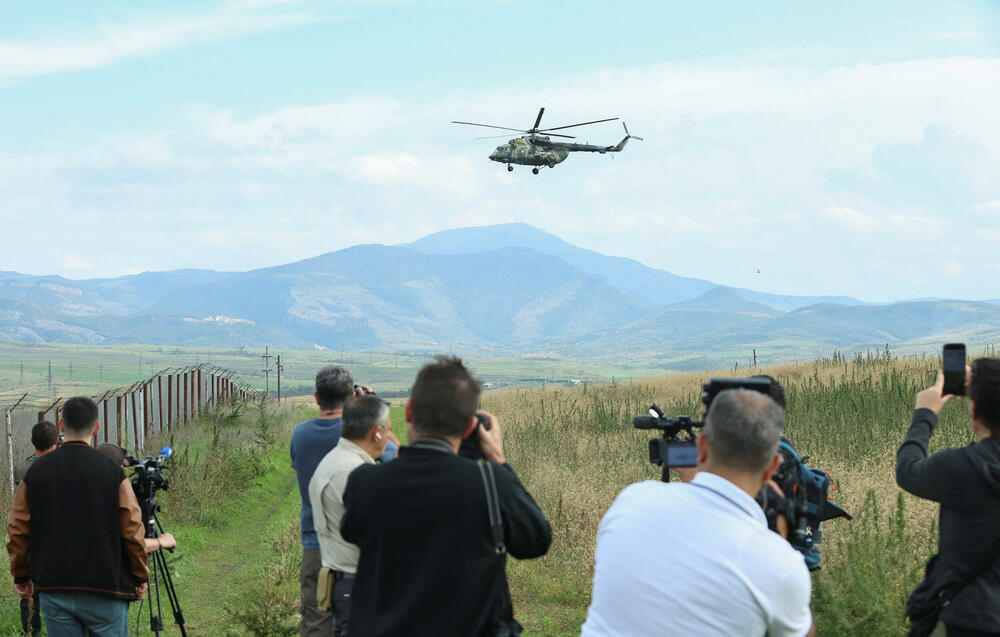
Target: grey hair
(334,385)
(361,414)
(743,428)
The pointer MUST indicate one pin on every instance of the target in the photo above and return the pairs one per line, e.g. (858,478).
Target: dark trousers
(342,585)
(955,631)
(315,622)
(30,616)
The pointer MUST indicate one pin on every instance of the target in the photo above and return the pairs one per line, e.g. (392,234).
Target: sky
(792,147)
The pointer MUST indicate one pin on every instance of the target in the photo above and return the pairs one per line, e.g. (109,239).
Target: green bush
(881,561)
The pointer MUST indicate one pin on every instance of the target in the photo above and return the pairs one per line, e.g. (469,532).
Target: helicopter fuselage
(539,150)
(528,151)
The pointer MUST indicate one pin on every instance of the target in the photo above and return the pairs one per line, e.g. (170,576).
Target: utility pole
(101,367)
(279,368)
(50,377)
(267,372)
(21,381)
(71,370)
(10,441)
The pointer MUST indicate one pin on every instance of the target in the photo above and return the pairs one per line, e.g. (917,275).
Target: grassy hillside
(235,510)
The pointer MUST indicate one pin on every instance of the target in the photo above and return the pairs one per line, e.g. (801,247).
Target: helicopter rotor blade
(519,130)
(494,136)
(630,135)
(538,120)
(558,135)
(596,121)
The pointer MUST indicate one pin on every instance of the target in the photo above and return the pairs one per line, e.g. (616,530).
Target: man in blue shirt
(311,441)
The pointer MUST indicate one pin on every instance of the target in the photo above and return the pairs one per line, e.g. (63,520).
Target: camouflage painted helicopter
(535,149)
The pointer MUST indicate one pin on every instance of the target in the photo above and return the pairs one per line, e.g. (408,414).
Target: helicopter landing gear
(510,168)
(534,171)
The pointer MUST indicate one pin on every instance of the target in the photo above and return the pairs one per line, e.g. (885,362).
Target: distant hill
(657,287)
(506,290)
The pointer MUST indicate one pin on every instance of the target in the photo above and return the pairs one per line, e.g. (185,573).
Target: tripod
(158,571)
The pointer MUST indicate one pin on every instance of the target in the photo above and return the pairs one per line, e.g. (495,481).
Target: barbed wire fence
(130,415)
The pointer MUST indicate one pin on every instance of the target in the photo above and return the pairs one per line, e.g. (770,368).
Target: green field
(87,369)
(235,510)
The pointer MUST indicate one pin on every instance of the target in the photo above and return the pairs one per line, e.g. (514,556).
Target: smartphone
(953,357)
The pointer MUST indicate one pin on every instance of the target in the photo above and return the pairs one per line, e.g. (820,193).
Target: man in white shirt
(363,438)
(697,558)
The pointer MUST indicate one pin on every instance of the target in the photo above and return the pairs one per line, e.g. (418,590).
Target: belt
(339,575)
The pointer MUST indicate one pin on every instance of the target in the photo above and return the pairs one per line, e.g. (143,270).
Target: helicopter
(537,149)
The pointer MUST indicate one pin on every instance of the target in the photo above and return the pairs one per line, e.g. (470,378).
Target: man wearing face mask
(363,439)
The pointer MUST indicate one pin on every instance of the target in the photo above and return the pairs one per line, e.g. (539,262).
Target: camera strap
(493,506)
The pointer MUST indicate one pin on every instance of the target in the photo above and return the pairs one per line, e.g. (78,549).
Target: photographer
(75,516)
(961,586)
(362,440)
(697,558)
(431,564)
(311,441)
(163,541)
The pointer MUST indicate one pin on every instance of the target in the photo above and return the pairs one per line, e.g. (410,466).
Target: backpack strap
(493,506)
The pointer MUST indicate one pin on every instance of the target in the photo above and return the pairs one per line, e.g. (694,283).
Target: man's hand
(491,440)
(931,397)
(140,590)
(167,541)
(26,589)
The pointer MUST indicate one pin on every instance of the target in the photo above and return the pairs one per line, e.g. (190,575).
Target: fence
(129,415)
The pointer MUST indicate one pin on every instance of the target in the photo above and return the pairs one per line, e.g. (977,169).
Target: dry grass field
(575,450)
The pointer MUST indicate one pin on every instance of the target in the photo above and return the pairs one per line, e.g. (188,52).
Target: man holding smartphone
(961,586)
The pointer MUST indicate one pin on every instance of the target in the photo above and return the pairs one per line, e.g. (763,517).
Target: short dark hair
(743,428)
(113,451)
(334,385)
(79,414)
(984,390)
(44,435)
(361,414)
(775,390)
(445,397)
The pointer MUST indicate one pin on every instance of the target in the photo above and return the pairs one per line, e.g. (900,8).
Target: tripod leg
(175,604)
(155,619)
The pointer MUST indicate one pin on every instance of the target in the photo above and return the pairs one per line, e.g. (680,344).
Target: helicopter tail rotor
(630,136)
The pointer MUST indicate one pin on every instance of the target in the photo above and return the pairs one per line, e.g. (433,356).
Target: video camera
(148,476)
(804,504)
(676,448)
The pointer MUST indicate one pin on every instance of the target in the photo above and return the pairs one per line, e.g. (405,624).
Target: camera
(804,502)
(147,476)
(469,448)
(676,447)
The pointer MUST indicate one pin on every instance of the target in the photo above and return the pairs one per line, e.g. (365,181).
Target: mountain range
(509,289)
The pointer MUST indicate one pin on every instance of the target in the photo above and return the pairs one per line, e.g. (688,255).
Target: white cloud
(850,218)
(77,263)
(737,168)
(110,44)
(989,207)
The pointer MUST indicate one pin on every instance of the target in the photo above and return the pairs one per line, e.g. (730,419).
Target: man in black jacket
(966,481)
(75,533)
(429,565)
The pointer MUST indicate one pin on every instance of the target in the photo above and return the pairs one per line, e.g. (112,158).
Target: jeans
(69,614)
